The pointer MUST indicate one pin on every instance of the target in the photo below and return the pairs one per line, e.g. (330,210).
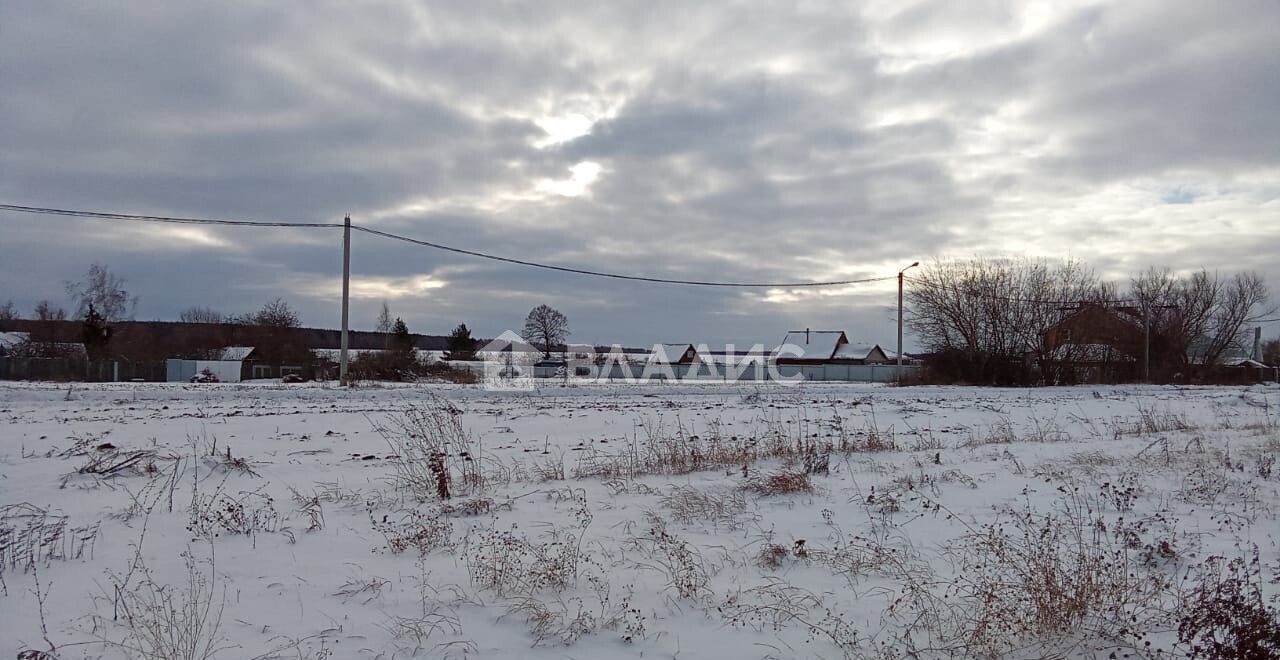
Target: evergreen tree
(462,346)
(401,341)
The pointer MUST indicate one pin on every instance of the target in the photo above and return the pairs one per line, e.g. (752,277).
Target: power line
(161,218)
(429,244)
(635,278)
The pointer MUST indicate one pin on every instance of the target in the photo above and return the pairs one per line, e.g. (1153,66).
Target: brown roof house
(1094,344)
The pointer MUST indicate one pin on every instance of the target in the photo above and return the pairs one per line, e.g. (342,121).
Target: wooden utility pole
(346,295)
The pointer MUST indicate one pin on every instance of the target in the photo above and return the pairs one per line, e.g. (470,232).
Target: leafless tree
(105,291)
(1271,353)
(275,314)
(1241,298)
(8,312)
(1197,318)
(199,314)
(546,326)
(991,315)
(385,324)
(46,311)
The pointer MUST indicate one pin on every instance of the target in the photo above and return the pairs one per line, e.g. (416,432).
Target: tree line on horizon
(985,320)
(101,299)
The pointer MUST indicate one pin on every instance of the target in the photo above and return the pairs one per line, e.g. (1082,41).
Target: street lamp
(899,375)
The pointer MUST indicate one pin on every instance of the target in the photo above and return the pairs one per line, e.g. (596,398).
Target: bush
(1225,615)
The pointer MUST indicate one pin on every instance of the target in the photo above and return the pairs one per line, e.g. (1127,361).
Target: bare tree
(1197,319)
(46,311)
(989,316)
(8,312)
(105,291)
(275,314)
(1271,353)
(385,325)
(546,326)
(1241,298)
(199,314)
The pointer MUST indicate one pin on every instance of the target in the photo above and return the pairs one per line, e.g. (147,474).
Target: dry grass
(433,454)
(782,482)
(724,507)
(423,531)
(172,622)
(30,535)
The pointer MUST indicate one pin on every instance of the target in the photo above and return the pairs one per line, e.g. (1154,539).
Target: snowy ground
(596,521)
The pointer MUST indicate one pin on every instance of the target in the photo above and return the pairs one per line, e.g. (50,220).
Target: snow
(1090,353)
(11,339)
(335,354)
(654,576)
(235,353)
(854,351)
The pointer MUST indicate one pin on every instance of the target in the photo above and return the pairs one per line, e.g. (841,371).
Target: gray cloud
(759,142)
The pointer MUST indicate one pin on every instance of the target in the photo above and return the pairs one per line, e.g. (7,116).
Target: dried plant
(432,452)
(782,482)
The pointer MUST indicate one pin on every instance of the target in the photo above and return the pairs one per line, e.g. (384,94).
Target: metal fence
(79,369)
(861,373)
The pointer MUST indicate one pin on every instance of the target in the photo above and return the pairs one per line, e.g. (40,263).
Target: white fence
(757,371)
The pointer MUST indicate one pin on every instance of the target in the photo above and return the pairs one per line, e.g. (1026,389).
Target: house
(809,346)
(12,342)
(860,354)
(673,354)
(1119,329)
(1094,344)
(20,344)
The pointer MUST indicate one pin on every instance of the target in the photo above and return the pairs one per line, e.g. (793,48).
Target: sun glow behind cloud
(581,176)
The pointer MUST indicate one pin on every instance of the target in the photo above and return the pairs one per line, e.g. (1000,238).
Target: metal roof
(810,344)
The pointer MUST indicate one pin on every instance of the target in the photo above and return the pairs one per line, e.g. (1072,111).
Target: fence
(746,372)
(79,369)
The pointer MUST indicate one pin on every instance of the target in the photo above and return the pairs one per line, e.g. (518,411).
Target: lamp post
(899,370)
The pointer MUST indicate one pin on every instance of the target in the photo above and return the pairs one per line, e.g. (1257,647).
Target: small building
(227,366)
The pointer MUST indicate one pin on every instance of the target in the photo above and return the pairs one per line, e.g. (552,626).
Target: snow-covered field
(716,521)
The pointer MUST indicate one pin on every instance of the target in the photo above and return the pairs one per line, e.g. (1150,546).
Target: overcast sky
(747,141)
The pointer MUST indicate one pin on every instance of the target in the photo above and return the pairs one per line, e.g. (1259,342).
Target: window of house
(582,371)
(261,371)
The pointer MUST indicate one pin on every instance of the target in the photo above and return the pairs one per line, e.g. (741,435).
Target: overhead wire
(162,218)
(636,278)
(433,245)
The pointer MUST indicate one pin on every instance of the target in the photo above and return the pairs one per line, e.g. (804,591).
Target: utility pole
(900,277)
(1146,336)
(346,294)
(1146,344)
